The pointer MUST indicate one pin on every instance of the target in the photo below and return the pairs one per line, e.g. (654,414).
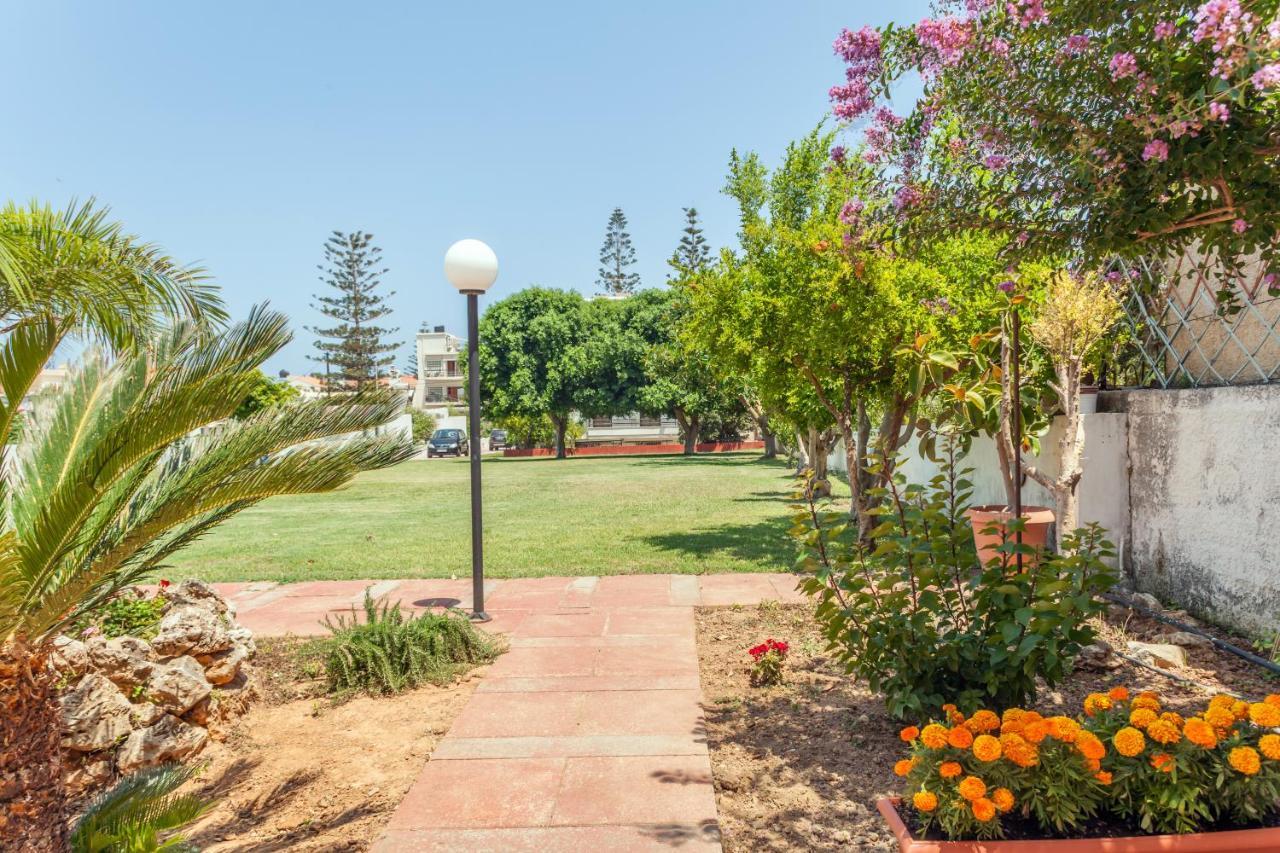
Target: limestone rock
(177,685)
(225,665)
(168,740)
(1188,640)
(145,714)
(242,636)
(191,629)
(1147,600)
(90,774)
(1095,656)
(70,657)
(1162,655)
(95,714)
(125,660)
(195,593)
(200,713)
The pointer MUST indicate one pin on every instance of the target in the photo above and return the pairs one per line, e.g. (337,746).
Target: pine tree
(693,254)
(616,255)
(410,364)
(354,346)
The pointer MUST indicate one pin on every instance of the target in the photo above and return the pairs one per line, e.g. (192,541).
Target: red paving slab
(634,838)
(635,789)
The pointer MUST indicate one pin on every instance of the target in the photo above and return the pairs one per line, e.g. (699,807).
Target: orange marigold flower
(909,734)
(1017,750)
(1147,700)
(1003,799)
(1129,741)
(934,736)
(1200,733)
(1103,776)
(1265,714)
(1093,764)
(983,721)
(986,748)
(1163,731)
(1162,761)
(1140,718)
(1011,715)
(1222,700)
(1090,746)
(1172,717)
(1036,732)
(950,769)
(1240,710)
(1272,699)
(903,767)
(960,737)
(1118,694)
(983,809)
(1245,759)
(1219,717)
(1270,746)
(1095,702)
(1064,729)
(925,801)
(971,788)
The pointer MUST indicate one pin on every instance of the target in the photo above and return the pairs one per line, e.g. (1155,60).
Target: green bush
(423,425)
(127,614)
(389,652)
(916,617)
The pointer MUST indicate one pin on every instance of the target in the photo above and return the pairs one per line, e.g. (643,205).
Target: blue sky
(238,135)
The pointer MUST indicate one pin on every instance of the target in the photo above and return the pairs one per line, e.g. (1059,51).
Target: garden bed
(301,772)
(801,765)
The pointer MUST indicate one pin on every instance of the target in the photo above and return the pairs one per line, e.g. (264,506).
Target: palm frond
(133,814)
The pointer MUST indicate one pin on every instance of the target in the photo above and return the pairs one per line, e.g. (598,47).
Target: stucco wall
(1204,499)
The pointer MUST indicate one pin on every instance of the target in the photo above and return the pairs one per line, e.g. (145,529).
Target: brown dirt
(301,773)
(799,766)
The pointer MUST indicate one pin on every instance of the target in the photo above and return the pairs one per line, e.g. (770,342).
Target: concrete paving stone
(454,748)
(567,623)
(533,663)
(785,587)
(518,715)
(659,621)
(634,838)
(635,789)
(685,591)
(722,590)
(481,793)
(642,712)
(525,684)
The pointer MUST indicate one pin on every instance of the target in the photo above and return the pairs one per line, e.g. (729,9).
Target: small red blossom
(164,584)
(769,645)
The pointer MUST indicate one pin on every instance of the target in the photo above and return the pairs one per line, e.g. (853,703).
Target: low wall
(637,449)
(1204,499)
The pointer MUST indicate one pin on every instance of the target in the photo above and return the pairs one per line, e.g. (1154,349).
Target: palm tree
(79,264)
(132,459)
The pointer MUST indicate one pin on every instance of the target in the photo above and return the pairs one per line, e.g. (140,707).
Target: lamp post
(472,267)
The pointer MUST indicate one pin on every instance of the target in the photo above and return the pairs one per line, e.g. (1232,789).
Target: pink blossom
(1166,30)
(1240,226)
(1077,44)
(1219,111)
(838,154)
(1156,149)
(862,46)
(946,37)
(852,211)
(906,196)
(1222,22)
(999,47)
(1028,12)
(1123,65)
(1267,77)
(1008,286)
(995,162)
(1269,281)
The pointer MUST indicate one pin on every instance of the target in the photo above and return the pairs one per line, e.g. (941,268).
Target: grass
(583,516)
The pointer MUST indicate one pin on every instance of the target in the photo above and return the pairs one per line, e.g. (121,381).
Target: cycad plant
(133,458)
(139,814)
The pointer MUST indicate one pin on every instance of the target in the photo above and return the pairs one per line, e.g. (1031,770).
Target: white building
(308,387)
(440,379)
(634,428)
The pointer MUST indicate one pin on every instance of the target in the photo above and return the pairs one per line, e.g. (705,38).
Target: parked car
(497,439)
(447,442)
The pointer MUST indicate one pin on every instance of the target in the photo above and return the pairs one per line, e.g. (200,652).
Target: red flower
(164,584)
(769,645)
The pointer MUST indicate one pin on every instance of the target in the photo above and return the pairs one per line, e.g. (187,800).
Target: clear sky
(239,134)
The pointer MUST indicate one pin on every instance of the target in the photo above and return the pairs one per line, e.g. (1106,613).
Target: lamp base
(480,616)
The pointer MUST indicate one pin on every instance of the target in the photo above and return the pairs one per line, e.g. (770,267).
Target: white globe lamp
(471,266)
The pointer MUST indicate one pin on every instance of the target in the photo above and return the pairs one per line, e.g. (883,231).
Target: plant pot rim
(1260,838)
(1003,512)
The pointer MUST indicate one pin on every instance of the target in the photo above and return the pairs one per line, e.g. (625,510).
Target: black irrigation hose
(1268,665)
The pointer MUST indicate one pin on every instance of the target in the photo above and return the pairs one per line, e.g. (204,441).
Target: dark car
(447,442)
(497,439)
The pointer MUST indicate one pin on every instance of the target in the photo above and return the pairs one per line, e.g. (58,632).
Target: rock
(1147,600)
(90,774)
(1095,656)
(224,666)
(242,636)
(199,713)
(95,714)
(191,629)
(1188,639)
(125,660)
(70,658)
(233,699)
(145,714)
(178,685)
(1159,654)
(194,593)
(168,740)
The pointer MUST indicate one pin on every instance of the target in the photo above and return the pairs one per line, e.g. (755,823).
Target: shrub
(423,425)
(767,662)
(915,616)
(389,652)
(139,814)
(1123,757)
(128,614)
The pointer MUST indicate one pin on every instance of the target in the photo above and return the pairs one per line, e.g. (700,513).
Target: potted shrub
(1127,771)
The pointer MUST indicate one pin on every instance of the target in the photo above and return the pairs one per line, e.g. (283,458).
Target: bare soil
(302,773)
(799,766)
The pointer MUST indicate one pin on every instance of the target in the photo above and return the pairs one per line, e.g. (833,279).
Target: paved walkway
(587,735)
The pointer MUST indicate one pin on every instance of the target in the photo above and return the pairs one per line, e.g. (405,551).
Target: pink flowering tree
(1078,128)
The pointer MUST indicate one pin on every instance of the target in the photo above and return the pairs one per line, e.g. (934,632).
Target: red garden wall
(639,449)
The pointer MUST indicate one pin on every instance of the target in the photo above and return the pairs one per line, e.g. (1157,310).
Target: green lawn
(585,516)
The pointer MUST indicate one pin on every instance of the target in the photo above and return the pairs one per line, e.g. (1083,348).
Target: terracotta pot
(1039,522)
(1263,838)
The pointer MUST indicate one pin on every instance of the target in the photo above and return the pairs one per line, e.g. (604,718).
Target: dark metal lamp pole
(473,418)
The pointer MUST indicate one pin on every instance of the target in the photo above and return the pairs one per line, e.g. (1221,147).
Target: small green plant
(423,425)
(140,814)
(389,652)
(767,662)
(135,617)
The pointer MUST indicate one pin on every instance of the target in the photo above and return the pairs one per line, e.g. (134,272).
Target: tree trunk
(770,445)
(802,454)
(1070,449)
(561,423)
(761,418)
(32,796)
(818,450)
(1004,429)
(690,425)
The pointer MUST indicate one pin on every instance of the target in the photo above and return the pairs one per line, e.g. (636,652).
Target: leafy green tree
(353,349)
(529,432)
(113,476)
(532,351)
(266,392)
(423,425)
(616,255)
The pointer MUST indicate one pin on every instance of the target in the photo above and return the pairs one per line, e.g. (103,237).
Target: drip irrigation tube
(1270,666)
